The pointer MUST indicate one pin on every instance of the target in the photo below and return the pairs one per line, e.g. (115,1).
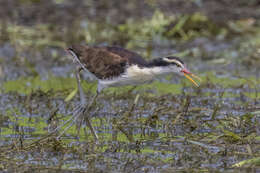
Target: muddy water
(173,126)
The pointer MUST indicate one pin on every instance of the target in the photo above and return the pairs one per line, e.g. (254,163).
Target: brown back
(106,62)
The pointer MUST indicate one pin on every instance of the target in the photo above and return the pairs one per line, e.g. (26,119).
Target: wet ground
(173,126)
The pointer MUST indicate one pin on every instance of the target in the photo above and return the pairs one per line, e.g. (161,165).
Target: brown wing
(133,58)
(106,62)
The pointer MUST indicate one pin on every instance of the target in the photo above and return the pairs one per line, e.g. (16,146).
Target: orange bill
(188,77)
(197,77)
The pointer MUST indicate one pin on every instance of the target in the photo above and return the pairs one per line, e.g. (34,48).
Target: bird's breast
(133,75)
(139,73)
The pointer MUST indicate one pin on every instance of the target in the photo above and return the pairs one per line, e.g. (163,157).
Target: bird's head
(175,64)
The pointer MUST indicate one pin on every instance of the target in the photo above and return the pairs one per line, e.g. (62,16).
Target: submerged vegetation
(164,126)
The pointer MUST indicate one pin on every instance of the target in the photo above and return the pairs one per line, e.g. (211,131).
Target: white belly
(133,76)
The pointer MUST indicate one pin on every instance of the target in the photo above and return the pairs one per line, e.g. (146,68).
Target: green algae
(142,33)
(28,85)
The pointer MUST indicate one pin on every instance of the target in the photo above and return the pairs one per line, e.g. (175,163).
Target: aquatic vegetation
(166,125)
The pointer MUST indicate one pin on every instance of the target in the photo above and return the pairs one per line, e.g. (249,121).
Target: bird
(114,66)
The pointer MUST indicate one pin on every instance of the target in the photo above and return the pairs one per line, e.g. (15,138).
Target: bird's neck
(152,63)
(157,68)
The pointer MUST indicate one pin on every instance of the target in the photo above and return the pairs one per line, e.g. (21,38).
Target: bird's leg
(80,111)
(80,89)
(88,122)
(86,107)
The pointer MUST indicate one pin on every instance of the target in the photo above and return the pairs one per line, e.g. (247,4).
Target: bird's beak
(189,76)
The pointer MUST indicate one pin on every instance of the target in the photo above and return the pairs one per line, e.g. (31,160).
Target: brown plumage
(106,62)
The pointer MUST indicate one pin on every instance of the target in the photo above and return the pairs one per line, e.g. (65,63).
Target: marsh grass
(166,125)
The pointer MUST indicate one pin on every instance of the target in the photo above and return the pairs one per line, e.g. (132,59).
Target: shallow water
(173,127)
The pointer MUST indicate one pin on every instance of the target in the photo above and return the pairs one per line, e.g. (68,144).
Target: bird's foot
(77,114)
